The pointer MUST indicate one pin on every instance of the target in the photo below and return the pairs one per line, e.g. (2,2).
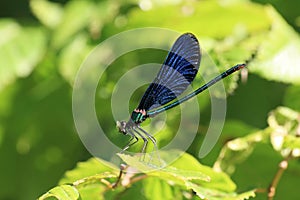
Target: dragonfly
(175,75)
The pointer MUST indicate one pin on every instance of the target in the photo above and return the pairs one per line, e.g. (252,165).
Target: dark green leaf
(291,97)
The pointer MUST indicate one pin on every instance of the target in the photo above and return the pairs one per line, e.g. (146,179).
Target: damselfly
(176,74)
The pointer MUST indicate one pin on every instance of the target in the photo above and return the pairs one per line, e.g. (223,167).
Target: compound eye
(121,127)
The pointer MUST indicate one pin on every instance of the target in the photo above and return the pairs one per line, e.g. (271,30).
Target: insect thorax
(138,116)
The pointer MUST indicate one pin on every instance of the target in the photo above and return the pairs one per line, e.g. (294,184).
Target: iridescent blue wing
(175,75)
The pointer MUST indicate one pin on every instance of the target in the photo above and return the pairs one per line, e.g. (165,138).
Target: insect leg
(153,140)
(144,138)
(130,143)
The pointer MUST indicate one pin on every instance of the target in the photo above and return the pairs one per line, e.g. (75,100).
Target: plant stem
(122,168)
(282,167)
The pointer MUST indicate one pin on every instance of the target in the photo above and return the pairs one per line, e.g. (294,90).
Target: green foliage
(61,192)
(281,135)
(39,59)
(156,183)
(86,169)
(20,50)
(280,50)
(186,173)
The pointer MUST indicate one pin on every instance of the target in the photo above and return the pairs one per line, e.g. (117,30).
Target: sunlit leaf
(169,173)
(238,150)
(285,124)
(279,55)
(72,56)
(91,178)
(291,141)
(37,136)
(179,172)
(203,18)
(63,192)
(217,180)
(92,191)
(89,168)
(155,188)
(20,52)
(49,13)
(205,193)
(77,15)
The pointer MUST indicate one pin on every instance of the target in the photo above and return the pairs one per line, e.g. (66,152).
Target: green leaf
(281,134)
(48,13)
(285,120)
(72,56)
(177,175)
(205,193)
(185,168)
(169,173)
(20,50)
(157,189)
(77,15)
(238,150)
(203,18)
(93,191)
(135,161)
(183,172)
(291,141)
(63,192)
(285,129)
(94,179)
(91,178)
(218,180)
(279,56)
(135,191)
(89,168)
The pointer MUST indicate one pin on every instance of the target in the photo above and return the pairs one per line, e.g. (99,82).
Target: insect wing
(175,75)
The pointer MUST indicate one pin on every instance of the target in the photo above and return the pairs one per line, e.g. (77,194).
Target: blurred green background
(43,43)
